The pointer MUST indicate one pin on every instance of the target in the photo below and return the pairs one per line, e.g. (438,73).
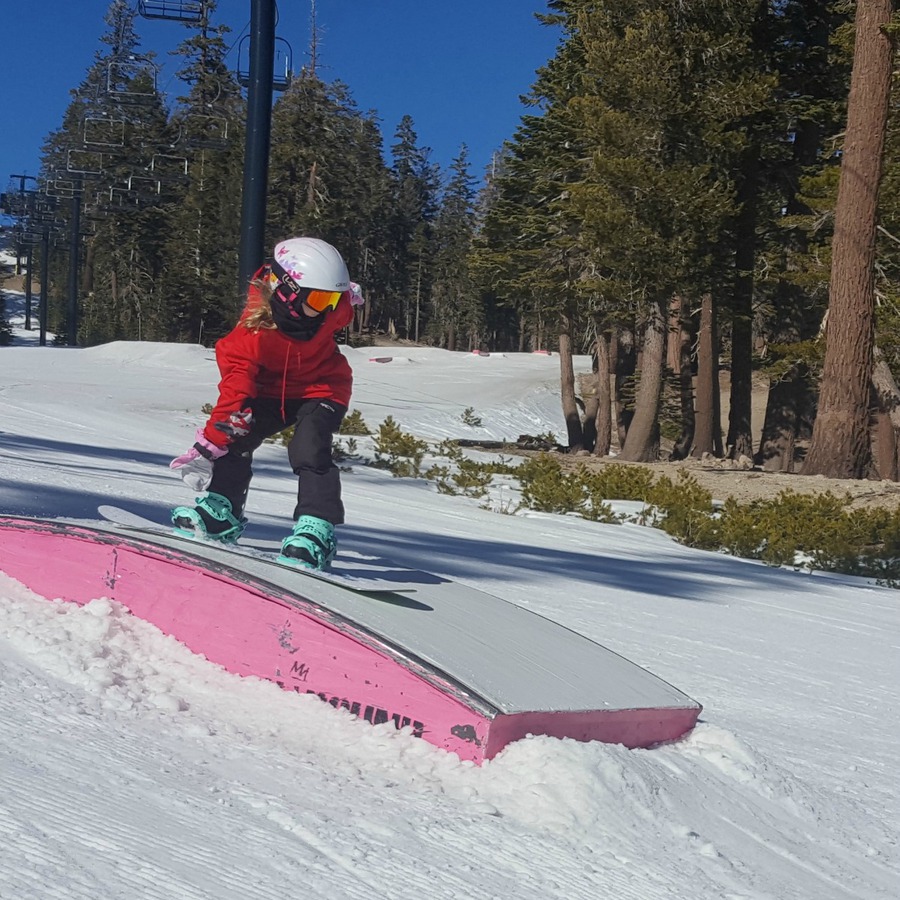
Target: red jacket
(267,363)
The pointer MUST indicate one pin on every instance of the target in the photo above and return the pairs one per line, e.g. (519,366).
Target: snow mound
(152,353)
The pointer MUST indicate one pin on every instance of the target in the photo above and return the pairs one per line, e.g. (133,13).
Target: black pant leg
(233,472)
(309,452)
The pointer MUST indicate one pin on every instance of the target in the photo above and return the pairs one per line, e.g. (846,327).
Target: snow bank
(152,353)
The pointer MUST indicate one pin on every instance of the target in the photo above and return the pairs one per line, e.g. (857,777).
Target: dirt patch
(723,480)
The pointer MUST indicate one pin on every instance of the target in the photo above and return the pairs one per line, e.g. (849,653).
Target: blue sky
(458,68)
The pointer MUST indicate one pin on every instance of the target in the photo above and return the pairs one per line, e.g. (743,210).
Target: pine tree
(200,287)
(501,329)
(409,231)
(454,308)
(328,178)
(113,134)
(529,251)
(662,106)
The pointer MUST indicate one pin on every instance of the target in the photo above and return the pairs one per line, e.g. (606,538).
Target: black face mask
(301,327)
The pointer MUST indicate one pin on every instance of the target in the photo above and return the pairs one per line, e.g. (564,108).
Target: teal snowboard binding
(211,518)
(311,544)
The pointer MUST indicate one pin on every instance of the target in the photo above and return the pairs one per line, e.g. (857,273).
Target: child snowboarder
(280,366)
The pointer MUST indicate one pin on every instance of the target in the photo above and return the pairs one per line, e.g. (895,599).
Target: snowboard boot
(312,544)
(211,518)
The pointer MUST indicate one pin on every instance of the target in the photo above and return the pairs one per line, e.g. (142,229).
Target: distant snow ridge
(153,353)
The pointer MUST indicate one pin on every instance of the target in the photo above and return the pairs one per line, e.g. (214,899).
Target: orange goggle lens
(322,300)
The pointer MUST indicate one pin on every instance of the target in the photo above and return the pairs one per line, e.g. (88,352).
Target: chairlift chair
(172,10)
(103,131)
(143,185)
(283,49)
(65,188)
(123,79)
(84,162)
(166,167)
(122,196)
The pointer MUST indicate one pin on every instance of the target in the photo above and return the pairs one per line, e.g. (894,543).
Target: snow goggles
(286,289)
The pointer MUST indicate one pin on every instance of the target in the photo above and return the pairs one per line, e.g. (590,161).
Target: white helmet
(313,264)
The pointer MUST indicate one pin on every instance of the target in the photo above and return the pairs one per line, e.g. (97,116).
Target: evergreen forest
(702,196)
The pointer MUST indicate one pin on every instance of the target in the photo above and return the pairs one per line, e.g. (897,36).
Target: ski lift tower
(259,128)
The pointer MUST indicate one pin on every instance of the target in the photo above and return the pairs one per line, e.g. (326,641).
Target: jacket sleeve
(236,356)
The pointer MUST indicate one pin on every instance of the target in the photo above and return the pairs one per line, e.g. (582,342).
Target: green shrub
(776,530)
(865,542)
(450,449)
(880,556)
(469,418)
(469,479)
(684,510)
(545,487)
(340,452)
(501,466)
(397,451)
(353,424)
(618,482)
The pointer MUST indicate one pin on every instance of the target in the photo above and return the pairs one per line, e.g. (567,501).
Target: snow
(131,768)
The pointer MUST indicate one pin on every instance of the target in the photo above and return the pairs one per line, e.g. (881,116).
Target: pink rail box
(461,669)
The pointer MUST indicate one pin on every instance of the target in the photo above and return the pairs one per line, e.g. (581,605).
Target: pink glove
(356,297)
(195,465)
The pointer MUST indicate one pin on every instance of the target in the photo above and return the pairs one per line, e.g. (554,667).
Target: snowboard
(364,584)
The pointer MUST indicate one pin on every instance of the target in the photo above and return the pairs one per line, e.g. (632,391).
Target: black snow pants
(309,453)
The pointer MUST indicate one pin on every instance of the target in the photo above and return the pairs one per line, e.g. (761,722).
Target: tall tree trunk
(708,433)
(887,398)
(622,364)
(740,434)
(603,439)
(673,346)
(840,441)
(680,334)
(589,418)
(642,443)
(784,409)
(884,445)
(567,385)
(589,405)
